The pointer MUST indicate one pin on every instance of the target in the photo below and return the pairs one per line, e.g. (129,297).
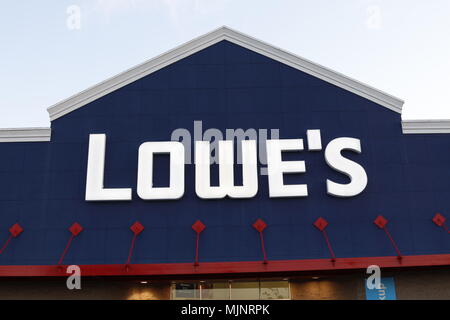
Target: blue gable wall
(226,86)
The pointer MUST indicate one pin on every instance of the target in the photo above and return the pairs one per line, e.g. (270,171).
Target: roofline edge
(25,134)
(426,126)
(224,33)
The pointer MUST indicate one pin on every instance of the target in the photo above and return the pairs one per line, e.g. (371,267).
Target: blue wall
(42,184)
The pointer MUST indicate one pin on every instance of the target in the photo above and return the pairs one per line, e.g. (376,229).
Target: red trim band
(229,267)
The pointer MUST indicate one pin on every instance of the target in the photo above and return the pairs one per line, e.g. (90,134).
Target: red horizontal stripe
(230,267)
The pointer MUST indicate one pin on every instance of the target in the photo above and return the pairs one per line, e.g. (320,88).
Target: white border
(224,33)
(25,135)
(425,126)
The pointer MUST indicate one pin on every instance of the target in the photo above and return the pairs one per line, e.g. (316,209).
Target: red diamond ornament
(439,219)
(321,224)
(137,228)
(380,221)
(75,229)
(198,226)
(15,230)
(259,225)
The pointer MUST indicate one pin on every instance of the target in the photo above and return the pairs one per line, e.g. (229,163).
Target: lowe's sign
(95,190)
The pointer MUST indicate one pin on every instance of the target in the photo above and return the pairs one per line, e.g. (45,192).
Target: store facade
(226,169)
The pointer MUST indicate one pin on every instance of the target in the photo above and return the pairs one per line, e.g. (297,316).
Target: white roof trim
(425,126)
(25,134)
(224,33)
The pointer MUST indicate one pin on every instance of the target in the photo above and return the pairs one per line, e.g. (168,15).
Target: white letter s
(353,170)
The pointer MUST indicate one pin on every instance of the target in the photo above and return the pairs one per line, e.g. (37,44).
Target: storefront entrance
(231,290)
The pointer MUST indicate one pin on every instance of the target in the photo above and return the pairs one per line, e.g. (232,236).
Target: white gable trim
(25,135)
(425,126)
(224,33)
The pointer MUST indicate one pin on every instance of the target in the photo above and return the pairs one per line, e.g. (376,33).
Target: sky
(50,50)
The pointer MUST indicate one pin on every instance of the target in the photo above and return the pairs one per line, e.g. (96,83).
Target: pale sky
(401,47)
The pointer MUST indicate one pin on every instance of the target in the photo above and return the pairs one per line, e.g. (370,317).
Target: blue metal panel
(225,86)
